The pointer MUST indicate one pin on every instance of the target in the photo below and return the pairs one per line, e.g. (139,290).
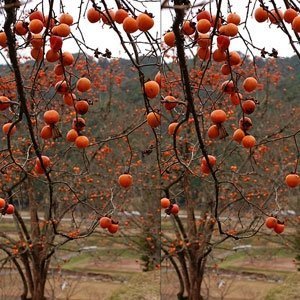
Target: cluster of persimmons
(45,35)
(207,33)
(213,39)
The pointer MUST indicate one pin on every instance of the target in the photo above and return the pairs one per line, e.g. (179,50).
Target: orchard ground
(103,267)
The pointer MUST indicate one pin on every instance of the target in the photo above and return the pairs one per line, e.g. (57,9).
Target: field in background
(102,267)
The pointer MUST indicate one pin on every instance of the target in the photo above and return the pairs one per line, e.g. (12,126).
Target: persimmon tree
(67,146)
(204,138)
(230,153)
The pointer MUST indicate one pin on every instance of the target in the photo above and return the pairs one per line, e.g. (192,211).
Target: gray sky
(262,34)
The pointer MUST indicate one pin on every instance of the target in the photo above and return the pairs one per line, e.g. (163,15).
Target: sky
(262,34)
(101,36)
(95,35)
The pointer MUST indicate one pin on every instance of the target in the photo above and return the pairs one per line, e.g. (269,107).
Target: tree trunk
(39,286)
(195,291)
(196,278)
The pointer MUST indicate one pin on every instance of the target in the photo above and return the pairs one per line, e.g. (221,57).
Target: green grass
(258,254)
(8,226)
(234,261)
(84,261)
(143,286)
(278,274)
(75,261)
(290,289)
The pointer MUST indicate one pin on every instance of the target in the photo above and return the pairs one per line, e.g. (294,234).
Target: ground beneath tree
(273,264)
(245,279)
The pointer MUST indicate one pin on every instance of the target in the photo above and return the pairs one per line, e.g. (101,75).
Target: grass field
(111,270)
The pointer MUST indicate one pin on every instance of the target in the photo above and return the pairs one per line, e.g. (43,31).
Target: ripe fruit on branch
(78,124)
(174,209)
(108,17)
(223,42)
(296,24)
(66,18)
(279,227)
(228,87)
(52,56)
(51,22)
(37,54)
(169,39)
(271,222)
(72,135)
(56,42)
(188,28)
(219,55)
(21,28)
(289,15)
(157,78)
(204,169)
(212,160)
(218,116)
(37,41)
(69,98)
(204,40)
(61,87)
(83,84)
(125,180)
(152,89)
(236,98)
(260,15)
(204,165)
(10,209)
(225,69)
(275,16)
(93,15)
(230,30)
(233,18)
(250,84)
(248,141)
(172,127)
(203,26)
(213,132)
(153,119)
(8,126)
(248,107)
(170,102)
(165,202)
(113,228)
(82,142)
(51,117)
(67,58)
(245,123)
(234,58)
(3,39)
(36,26)
(120,15)
(82,107)
(4,103)
(204,14)
(144,22)
(2,203)
(46,132)
(36,15)
(38,166)
(238,135)
(292,180)
(45,159)
(62,30)
(203,53)
(130,25)
(105,222)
